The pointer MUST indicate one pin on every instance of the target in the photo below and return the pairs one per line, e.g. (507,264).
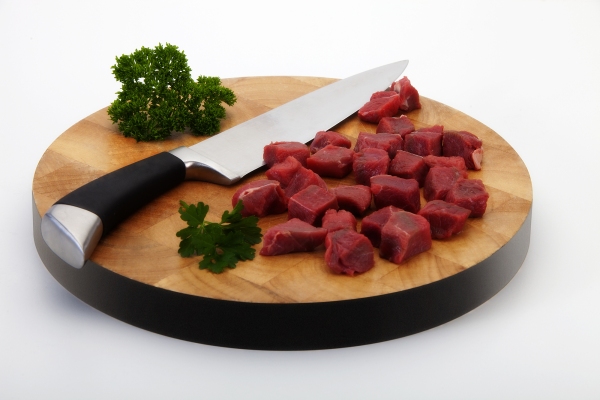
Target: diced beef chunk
(433,128)
(378,108)
(355,198)
(445,219)
(310,204)
(397,125)
(291,237)
(439,180)
(466,145)
(334,220)
(410,166)
(384,141)
(391,190)
(323,138)
(409,96)
(331,161)
(369,162)
(261,198)
(277,152)
(384,93)
(470,194)
(404,235)
(423,143)
(348,252)
(372,224)
(293,177)
(284,171)
(437,161)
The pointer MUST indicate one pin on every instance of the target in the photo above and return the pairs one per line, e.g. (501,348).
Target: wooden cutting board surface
(144,248)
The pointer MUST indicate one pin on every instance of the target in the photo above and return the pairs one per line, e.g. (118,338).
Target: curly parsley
(222,244)
(158,96)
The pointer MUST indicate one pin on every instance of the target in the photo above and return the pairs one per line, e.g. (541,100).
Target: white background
(530,70)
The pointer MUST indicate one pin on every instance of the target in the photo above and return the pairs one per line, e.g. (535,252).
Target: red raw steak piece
(398,125)
(323,138)
(404,235)
(434,128)
(291,237)
(355,198)
(334,220)
(284,171)
(277,152)
(303,178)
(310,204)
(331,161)
(466,145)
(423,143)
(391,190)
(372,224)
(348,252)
(370,162)
(378,108)
(437,161)
(384,93)
(445,219)
(261,198)
(439,180)
(409,96)
(384,141)
(469,194)
(410,166)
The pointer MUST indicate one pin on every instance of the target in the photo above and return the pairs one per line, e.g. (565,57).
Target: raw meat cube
(398,125)
(437,161)
(470,194)
(331,161)
(439,180)
(348,252)
(391,190)
(378,108)
(369,162)
(310,204)
(334,220)
(323,138)
(385,93)
(384,141)
(434,128)
(291,237)
(277,152)
(466,145)
(423,143)
(445,219)
(410,166)
(409,96)
(261,198)
(372,224)
(303,178)
(284,171)
(355,198)
(404,235)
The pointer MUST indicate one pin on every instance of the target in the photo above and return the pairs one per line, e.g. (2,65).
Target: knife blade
(74,225)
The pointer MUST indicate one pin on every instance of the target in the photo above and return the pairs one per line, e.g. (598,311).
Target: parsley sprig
(221,244)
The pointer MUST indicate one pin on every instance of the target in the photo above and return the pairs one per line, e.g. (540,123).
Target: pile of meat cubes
(390,168)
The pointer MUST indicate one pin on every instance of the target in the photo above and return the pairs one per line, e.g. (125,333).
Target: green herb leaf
(158,96)
(221,245)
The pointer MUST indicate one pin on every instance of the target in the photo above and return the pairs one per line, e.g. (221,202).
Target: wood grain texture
(144,248)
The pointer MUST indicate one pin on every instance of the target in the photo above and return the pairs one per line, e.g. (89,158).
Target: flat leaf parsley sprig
(222,244)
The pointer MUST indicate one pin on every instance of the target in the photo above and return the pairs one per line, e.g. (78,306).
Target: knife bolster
(201,168)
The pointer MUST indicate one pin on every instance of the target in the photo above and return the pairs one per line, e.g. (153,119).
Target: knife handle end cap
(71,232)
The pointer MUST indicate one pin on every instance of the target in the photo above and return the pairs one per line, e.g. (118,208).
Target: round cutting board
(281,302)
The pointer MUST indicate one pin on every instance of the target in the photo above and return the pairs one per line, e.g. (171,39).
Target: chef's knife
(73,226)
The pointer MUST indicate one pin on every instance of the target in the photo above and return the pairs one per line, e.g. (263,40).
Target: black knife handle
(75,223)
(117,195)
